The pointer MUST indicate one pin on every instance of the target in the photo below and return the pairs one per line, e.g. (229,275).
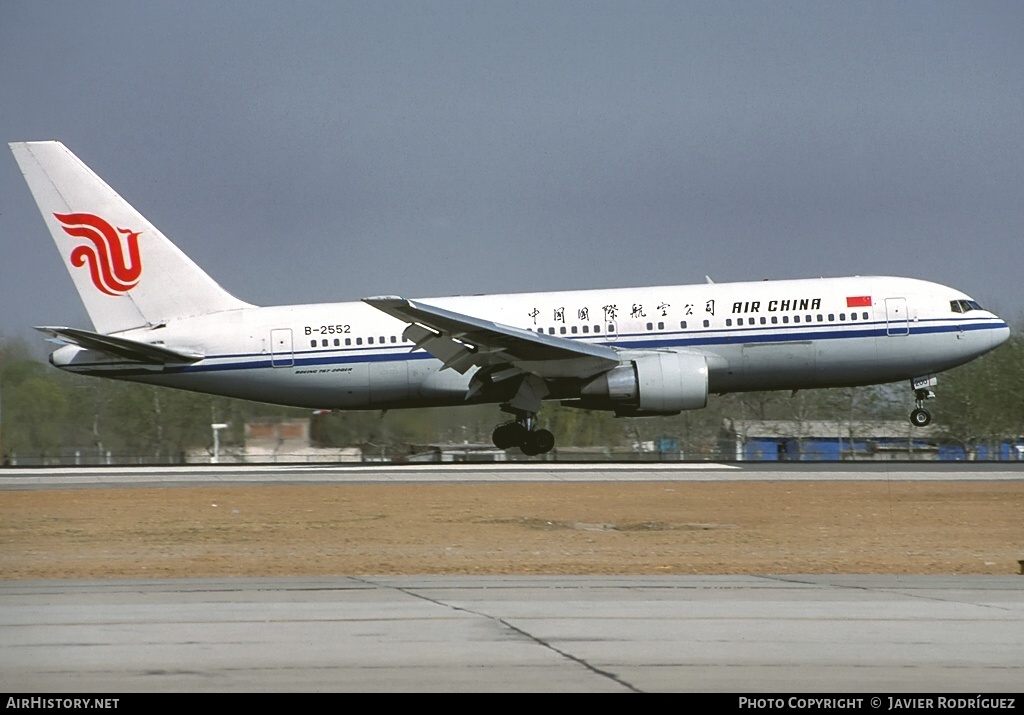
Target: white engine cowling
(653,384)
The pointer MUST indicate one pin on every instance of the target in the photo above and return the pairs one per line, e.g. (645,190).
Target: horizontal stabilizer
(120,347)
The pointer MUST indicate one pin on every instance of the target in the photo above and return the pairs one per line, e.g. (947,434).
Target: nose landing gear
(921,417)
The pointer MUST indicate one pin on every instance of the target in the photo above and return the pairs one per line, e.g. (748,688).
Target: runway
(742,634)
(670,633)
(225,474)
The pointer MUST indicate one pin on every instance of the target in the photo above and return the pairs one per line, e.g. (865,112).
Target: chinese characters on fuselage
(781,305)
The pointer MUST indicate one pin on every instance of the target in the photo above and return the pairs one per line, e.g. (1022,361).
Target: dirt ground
(558,528)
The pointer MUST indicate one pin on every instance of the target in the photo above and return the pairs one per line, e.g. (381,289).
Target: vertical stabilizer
(126,271)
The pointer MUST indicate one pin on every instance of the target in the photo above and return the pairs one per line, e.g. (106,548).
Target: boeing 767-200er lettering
(160,320)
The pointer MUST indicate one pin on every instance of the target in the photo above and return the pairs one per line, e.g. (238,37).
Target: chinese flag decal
(858,301)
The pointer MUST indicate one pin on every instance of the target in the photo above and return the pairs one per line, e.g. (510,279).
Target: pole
(217,427)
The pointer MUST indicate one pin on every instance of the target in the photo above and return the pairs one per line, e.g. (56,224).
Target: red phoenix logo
(112,272)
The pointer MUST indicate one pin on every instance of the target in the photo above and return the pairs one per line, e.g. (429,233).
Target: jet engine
(651,384)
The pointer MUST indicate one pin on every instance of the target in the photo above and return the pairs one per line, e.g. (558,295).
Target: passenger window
(728,322)
(831,317)
(682,324)
(359,341)
(337,342)
(312,343)
(324,342)
(661,326)
(586,328)
(562,330)
(597,328)
(573,329)
(707,323)
(348,341)
(785,319)
(765,320)
(842,316)
(775,320)
(611,328)
(820,317)
(551,331)
(853,316)
(864,315)
(650,326)
(796,318)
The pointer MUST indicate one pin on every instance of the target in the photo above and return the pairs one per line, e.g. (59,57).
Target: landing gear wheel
(920,417)
(529,448)
(544,440)
(510,434)
(523,433)
(537,442)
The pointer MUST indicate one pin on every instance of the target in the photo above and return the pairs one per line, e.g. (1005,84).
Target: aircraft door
(281,352)
(896,322)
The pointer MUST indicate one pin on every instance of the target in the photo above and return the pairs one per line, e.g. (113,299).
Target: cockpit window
(964,306)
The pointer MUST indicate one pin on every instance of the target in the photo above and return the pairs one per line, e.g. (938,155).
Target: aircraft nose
(1000,335)
(996,333)
(987,337)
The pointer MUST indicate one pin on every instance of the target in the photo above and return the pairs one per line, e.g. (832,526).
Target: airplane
(159,319)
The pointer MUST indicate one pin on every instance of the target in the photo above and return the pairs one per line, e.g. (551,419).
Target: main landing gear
(921,417)
(522,434)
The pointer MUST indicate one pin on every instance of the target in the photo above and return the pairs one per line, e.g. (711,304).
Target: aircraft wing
(462,341)
(120,347)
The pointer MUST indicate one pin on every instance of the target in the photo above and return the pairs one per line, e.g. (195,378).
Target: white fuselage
(791,334)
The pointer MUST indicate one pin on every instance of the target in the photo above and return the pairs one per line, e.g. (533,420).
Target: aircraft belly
(315,388)
(918,354)
(378,385)
(389,382)
(846,361)
(783,365)
(806,364)
(439,386)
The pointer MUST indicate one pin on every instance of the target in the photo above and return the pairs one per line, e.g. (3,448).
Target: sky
(306,152)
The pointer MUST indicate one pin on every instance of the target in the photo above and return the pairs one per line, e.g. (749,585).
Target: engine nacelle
(652,384)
